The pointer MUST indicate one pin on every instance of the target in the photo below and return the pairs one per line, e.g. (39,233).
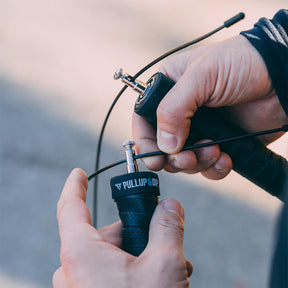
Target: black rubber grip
(250,157)
(136,195)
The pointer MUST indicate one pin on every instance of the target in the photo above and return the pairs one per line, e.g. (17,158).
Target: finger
(72,210)
(76,185)
(144,136)
(189,268)
(174,67)
(179,105)
(71,206)
(206,156)
(59,280)
(113,234)
(193,161)
(167,226)
(220,168)
(182,161)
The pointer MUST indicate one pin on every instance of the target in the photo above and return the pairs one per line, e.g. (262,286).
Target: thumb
(191,91)
(167,225)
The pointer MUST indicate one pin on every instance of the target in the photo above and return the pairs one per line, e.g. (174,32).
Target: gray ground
(228,238)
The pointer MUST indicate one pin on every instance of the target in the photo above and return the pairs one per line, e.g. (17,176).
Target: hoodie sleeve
(270,38)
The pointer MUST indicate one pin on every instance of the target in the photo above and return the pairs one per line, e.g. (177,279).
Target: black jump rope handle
(136,194)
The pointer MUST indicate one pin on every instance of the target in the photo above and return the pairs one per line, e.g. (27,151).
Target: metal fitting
(135,84)
(131,162)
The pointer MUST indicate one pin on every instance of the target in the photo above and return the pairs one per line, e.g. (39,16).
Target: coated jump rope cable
(226,24)
(284,128)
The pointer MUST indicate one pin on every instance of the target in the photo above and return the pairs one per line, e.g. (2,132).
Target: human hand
(92,258)
(230,73)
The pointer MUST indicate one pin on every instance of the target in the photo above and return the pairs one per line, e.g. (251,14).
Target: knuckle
(63,203)
(172,225)
(67,256)
(166,115)
(175,256)
(172,258)
(60,206)
(66,203)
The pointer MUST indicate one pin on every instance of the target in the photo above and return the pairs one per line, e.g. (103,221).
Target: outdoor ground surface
(57,60)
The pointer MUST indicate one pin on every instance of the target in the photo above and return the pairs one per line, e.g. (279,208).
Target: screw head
(118,74)
(128,144)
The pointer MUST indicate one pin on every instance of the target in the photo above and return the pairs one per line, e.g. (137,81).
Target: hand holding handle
(250,157)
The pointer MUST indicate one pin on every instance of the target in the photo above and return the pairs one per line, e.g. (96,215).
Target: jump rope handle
(136,195)
(250,157)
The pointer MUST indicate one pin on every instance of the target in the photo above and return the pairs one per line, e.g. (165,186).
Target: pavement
(57,60)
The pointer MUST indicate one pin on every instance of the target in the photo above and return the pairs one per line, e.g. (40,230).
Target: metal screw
(131,162)
(118,74)
(137,85)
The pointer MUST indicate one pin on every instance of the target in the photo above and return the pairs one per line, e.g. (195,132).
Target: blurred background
(57,60)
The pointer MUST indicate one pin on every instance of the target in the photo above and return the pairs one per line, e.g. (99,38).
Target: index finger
(72,211)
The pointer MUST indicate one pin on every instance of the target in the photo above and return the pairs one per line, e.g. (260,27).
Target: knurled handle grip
(136,195)
(135,212)
(250,157)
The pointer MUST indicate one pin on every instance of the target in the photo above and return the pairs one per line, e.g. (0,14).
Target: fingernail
(77,173)
(219,168)
(174,163)
(167,142)
(207,161)
(203,158)
(173,206)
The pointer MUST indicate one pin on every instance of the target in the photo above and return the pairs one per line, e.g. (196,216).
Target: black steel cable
(284,128)
(99,146)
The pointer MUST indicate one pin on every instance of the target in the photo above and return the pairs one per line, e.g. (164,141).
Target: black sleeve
(270,38)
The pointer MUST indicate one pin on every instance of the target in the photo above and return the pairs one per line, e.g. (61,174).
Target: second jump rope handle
(250,157)
(136,195)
